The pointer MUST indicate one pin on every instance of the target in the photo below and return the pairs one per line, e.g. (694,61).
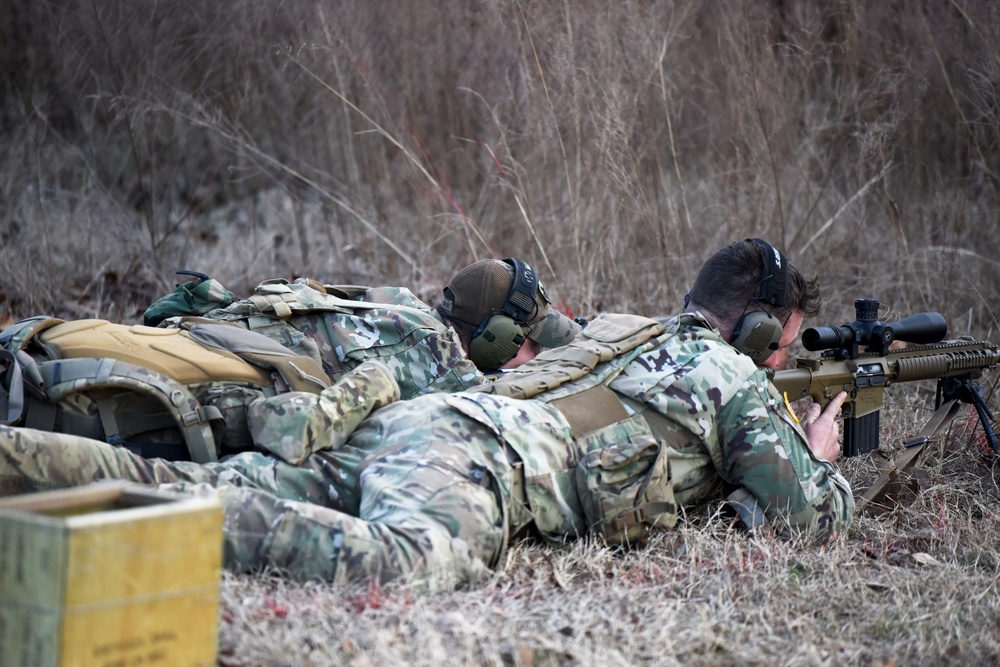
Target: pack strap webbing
(300,373)
(11,389)
(877,492)
(67,376)
(17,335)
(273,302)
(41,416)
(641,514)
(281,297)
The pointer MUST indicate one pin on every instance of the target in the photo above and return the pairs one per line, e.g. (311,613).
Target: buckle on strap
(630,517)
(648,513)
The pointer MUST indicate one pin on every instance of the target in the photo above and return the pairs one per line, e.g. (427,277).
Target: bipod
(965,390)
(903,471)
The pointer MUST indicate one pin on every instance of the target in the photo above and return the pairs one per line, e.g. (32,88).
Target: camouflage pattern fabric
(191,298)
(725,423)
(607,344)
(721,419)
(422,489)
(294,425)
(427,488)
(387,324)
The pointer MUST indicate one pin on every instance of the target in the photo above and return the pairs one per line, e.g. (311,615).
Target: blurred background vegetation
(612,144)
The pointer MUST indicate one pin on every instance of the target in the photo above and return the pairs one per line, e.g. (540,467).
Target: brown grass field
(614,145)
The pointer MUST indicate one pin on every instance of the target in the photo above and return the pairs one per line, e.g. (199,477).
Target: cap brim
(553,329)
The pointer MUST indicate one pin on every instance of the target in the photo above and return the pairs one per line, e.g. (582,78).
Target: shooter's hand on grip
(822,429)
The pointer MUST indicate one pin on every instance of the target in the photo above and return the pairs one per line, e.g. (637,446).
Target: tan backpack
(169,393)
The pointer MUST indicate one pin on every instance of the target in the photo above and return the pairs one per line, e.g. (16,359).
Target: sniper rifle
(859,358)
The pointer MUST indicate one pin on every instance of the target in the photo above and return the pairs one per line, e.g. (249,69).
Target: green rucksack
(166,393)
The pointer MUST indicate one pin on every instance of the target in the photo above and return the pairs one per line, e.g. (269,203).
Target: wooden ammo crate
(110,575)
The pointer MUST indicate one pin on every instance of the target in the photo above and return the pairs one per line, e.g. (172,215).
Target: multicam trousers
(419,490)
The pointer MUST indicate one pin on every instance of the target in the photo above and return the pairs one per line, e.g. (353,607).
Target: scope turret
(921,328)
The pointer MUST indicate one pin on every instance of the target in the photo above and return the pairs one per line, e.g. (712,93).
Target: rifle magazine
(861,434)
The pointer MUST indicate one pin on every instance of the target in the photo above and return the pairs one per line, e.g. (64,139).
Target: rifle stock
(866,376)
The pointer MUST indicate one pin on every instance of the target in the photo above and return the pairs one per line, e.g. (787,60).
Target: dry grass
(614,145)
(917,586)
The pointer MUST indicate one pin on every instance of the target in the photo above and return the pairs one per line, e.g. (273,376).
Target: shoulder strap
(353,292)
(18,335)
(11,388)
(63,377)
(611,337)
(301,373)
(285,299)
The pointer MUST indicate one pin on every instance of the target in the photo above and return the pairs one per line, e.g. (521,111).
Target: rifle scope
(921,328)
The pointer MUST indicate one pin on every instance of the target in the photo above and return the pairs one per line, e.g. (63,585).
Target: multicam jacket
(428,488)
(423,489)
(725,427)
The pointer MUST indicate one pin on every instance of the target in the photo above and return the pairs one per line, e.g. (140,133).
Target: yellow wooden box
(110,575)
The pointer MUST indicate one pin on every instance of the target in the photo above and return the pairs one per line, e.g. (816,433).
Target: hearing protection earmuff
(757,334)
(501,333)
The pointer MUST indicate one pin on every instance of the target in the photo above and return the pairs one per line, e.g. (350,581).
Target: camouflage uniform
(726,428)
(423,488)
(730,427)
(343,326)
(430,487)
(297,336)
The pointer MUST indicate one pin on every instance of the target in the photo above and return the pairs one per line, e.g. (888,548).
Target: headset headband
(773,286)
(520,304)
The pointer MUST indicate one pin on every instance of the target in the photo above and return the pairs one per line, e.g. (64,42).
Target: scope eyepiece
(827,338)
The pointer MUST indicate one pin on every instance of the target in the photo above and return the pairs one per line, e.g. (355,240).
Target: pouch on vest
(610,337)
(623,482)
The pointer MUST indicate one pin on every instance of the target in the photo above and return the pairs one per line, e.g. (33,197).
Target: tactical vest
(168,393)
(622,473)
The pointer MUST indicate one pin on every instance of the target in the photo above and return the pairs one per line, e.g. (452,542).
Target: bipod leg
(877,494)
(986,417)
(965,390)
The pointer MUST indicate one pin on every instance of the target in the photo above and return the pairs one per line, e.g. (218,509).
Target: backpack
(342,326)
(165,393)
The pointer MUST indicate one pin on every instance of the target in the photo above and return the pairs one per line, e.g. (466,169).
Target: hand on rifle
(822,429)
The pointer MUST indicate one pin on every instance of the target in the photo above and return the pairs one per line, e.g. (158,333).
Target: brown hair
(727,284)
